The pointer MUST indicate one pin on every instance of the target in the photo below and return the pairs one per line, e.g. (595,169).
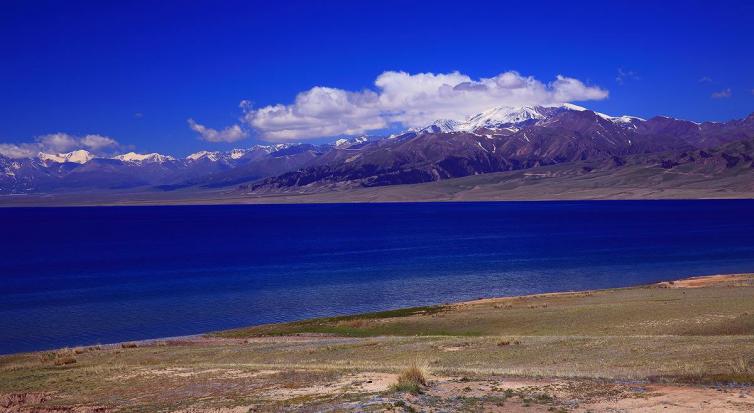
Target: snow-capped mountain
(80,156)
(81,169)
(210,156)
(348,142)
(238,154)
(504,115)
(511,118)
(144,158)
(442,126)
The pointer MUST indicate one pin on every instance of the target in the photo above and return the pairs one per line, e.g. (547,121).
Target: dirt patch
(18,400)
(236,409)
(361,383)
(708,281)
(185,372)
(512,394)
(35,403)
(681,399)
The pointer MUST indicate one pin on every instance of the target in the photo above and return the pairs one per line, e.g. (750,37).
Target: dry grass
(741,372)
(62,361)
(62,357)
(738,371)
(413,379)
(742,366)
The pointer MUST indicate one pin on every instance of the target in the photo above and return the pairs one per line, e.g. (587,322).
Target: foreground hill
(683,346)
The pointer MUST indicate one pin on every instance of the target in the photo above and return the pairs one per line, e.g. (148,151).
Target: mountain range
(502,139)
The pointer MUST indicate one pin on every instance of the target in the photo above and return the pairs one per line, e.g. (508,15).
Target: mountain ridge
(555,135)
(497,140)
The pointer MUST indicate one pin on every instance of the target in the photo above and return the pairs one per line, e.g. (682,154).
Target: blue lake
(75,276)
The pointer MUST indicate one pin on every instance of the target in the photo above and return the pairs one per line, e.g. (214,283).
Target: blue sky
(137,71)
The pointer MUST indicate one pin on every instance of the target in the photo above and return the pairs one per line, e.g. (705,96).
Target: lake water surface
(75,276)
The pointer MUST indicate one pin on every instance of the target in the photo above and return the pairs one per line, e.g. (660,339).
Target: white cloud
(230,134)
(722,94)
(58,143)
(320,111)
(15,151)
(98,142)
(409,99)
(625,75)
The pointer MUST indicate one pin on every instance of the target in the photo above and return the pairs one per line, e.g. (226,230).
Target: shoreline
(243,202)
(697,281)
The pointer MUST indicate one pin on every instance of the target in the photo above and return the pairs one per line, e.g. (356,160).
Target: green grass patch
(356,325)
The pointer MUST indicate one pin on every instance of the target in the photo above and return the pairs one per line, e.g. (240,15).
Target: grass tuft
(412,380)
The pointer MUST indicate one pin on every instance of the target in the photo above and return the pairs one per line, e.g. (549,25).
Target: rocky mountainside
(505,139)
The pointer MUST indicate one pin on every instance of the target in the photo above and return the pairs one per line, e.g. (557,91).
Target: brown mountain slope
(565,137)
(724,172)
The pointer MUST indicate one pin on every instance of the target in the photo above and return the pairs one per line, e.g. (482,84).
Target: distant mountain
(253,164)
(80,156)
(352,142)
(144,158)
(83,171)
(497,140)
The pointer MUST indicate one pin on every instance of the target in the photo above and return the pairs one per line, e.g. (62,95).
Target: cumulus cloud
(58,143)
(722,94)
(15,151)
(232,133)
(408,99)
(98,142)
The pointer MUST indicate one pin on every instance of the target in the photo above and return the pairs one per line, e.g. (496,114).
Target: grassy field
(682,346)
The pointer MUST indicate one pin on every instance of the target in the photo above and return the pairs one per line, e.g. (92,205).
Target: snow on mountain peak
(504,114)
(80,156)
(237,153)
(212,156)
(569,106)
(273,147)
(509,116)
(615,119)
(148,157)
(443,126)
(345,142)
